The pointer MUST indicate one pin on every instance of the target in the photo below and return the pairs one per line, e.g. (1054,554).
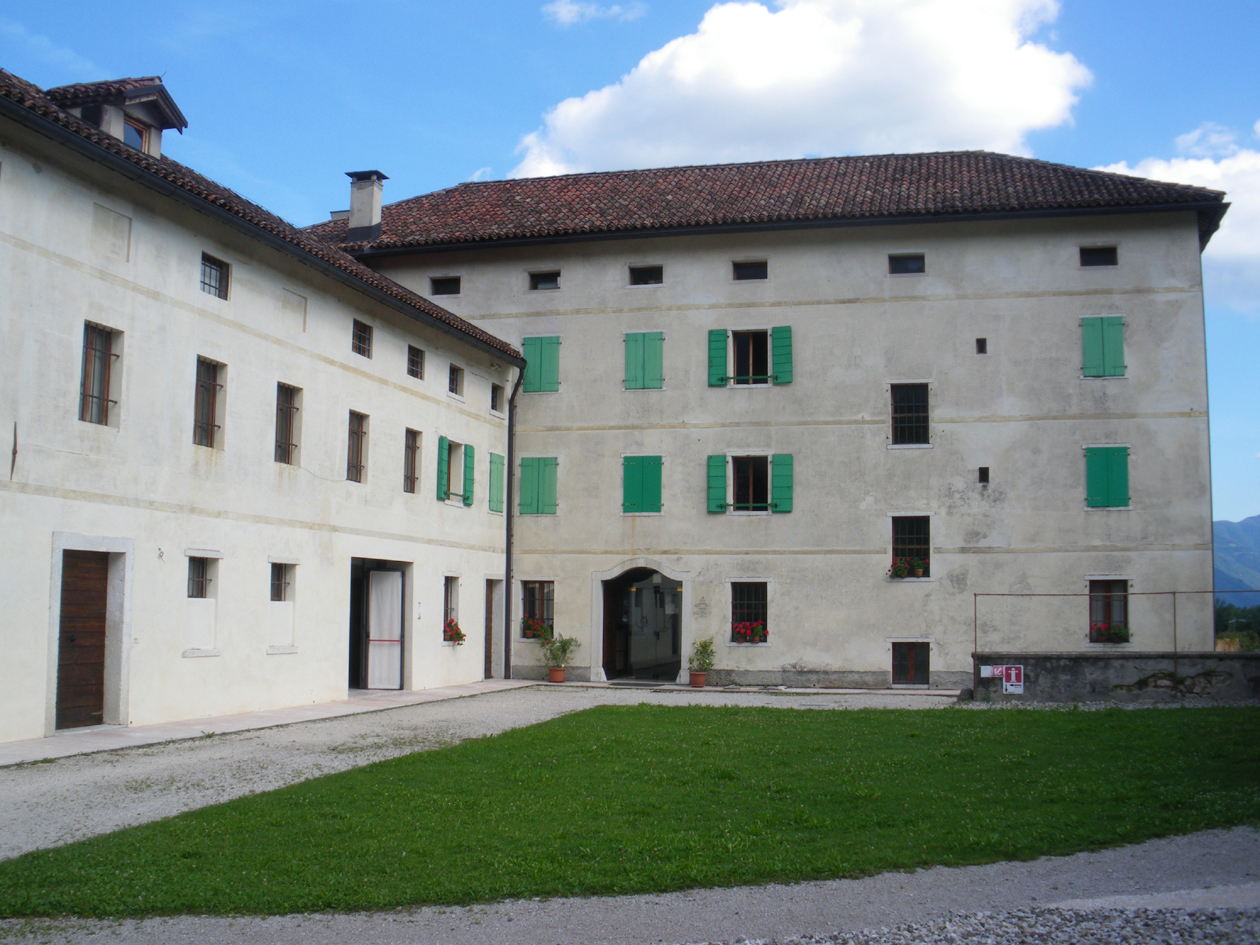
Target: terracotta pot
(918,572)
(697,680)
(529,634)
(555,674)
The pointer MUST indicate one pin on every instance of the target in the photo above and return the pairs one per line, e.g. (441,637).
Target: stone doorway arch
(640,621)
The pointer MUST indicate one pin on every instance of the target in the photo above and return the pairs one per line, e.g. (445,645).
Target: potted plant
(1108,633)
(918,566)
(752,631)
(556,652)
(451,632)
(900,568)
(532,627)
(701,661)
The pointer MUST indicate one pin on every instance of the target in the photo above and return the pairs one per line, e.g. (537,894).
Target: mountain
(1238,560)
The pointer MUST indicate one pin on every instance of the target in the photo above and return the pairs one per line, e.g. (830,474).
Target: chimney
(365,206)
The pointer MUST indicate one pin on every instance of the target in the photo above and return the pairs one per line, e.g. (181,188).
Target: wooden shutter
(444,463)
(1092,364)
(653,360)
(631,483)
(1118,475)
(470,473)
(1106,476)
(781,482)
(550,351)
(1113,345)
(717,361)
(781,354)
(529,486)
(717,484)
(547,485)
(496,482)
(634,361)
(532,349)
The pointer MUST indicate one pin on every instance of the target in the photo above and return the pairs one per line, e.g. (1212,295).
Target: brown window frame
(356,446)
(455,381)
(411,460)
(909,661)
(752,357)
(215,276)
(94,383)
(361,338)
(910,424)
(199,577)
(750,480)
(496,398)
(450,598)
(1108,606)
(206,404)
(287,407)
(538,601)
(280,581)
(750,603)
(912,538)
(415,362)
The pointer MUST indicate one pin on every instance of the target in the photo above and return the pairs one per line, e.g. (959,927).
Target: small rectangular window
(415,361)
(1108,611)
(496,398)
(647,275)
(206,426)
(135,135)
(752,357)
(750,478)
(214,276)
(912,542)
(455,381)
(909,413)
(749,622)
(94,385)
(1099,256)
(982,346)
(280,581)
(411,461)
(911,663)
(984,475)
(288,401)
(356,451)
(538,599)
(906,264)
(361,339)
(450,600)
(455,470)
(750,271)
(544,280)
(199,577)
(444,285)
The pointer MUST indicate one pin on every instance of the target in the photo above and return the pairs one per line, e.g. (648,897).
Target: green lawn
(644,799)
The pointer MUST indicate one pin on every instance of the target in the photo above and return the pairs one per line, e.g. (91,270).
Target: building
(754,390)
(246,470)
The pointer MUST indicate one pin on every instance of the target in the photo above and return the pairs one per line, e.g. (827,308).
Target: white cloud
(1208,140)
(1232,259)
(821,77)
(481,173)
(568,12)
(70,65)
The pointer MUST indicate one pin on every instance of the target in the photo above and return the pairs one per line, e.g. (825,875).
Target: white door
(385,613)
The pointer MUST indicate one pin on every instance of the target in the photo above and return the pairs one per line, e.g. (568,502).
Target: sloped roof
(25,100)
(121,91)
(892,187)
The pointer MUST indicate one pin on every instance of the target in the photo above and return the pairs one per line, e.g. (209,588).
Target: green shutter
(547,485)
(634,361)
(496,482)
(1118,476)
(631,484)
(444,462)
(1113,345)
(1092,363)
(551,363)
(653,360)
(529,486)
(781,482)
(532,348)
(781,354)
(1106,476)
(717,483)
(650,499)
(717,361)
(542,370)
(470,472)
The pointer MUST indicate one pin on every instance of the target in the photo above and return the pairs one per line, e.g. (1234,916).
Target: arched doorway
(642,626)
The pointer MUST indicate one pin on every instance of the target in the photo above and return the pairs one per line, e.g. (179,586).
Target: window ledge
(198,653)
(451,643)
(456,502)
(1108,646)
(625,514)
(910,446)
(909,580)
(909,685)
(633,390)
(279,650)
(454,396)
(748,646)
(1102,377)
(1108,508)
(556,391)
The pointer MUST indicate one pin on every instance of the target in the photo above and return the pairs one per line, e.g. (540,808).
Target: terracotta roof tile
(302,243)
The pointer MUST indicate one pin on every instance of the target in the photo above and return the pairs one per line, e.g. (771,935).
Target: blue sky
(284,97)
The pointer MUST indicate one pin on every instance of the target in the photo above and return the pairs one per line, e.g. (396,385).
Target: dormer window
(136,135)
(135,111)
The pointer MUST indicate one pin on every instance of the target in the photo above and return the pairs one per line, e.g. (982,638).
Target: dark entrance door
(642,626)
(910,663)
(81,640)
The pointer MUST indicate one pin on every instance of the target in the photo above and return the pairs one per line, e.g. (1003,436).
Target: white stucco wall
(1023,410)
(140,485)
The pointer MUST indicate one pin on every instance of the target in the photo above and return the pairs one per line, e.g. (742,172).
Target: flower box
(1108,633)
(451,632)
(750,632)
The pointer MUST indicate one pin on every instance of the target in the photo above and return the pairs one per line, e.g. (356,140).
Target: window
(912,540)
(94,385)
(281,578)
(538,602)
(415,362)
(761,357)
(356,450)
(544,280)
(207,408)
(496,482)
(750,271)
(496,398)
(200,577)
(758,483)
(1102,346)
(645,354)
(450,599)
(288,402)
(982,346)
(455,380)
(909,414)
(214,276)
(910,663)
(444,285)
(538,485)
(456,472)
(136,135)
(1107,477)
(984,475)
(906,264)
(748,612)
(361,339)
(542,368)
(411,461)
(647,275)
(1099,256)
(640,484)
(1108,611)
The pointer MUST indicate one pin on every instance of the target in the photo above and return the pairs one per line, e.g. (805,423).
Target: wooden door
(491,586)
(81,641)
